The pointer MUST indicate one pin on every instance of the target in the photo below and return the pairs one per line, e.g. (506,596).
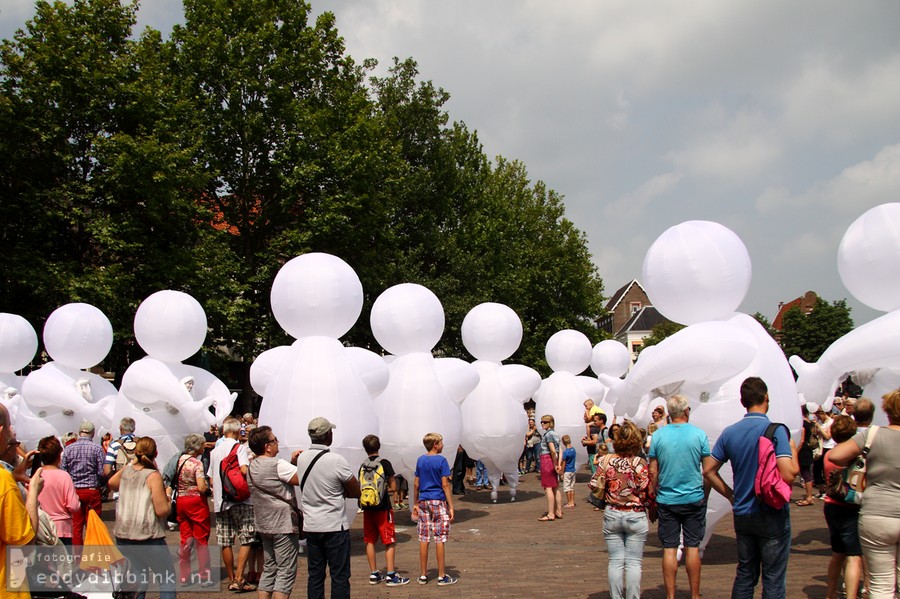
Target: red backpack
(234,484)
(768,485)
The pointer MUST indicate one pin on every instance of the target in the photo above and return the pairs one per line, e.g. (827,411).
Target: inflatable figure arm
(457,378)
(371,368)
(521,381)
(872,345)
(701,353)
(263,367)
(591,387)
(53,387)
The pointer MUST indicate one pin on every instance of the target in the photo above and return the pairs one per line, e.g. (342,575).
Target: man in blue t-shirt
(677,455)
(763,533)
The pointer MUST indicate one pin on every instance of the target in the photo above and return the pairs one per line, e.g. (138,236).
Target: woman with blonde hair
(879,520)
(140,519)
(625,522)
(551,467)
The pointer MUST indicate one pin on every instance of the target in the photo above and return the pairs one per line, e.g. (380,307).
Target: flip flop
(546,518)
(804,502)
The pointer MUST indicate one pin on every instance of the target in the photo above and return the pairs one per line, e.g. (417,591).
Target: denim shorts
(843,528)
(689,518)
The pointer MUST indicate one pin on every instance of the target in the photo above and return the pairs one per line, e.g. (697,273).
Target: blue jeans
(330,549)
(481,476)
(532,458)
(625,533)
(763,540)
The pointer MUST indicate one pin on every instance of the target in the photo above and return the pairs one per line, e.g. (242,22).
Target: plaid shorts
(434,518)
(237,521)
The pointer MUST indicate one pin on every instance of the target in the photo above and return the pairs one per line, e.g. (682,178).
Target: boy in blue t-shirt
(432,506)
(568,457)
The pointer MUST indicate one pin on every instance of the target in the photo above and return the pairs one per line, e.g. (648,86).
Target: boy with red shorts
(378,521)
(433,506)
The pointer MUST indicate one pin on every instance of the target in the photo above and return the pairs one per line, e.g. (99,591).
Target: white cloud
(632,206)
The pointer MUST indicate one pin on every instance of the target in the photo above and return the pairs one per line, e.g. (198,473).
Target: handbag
(848,483)
(597,484)
(173,508)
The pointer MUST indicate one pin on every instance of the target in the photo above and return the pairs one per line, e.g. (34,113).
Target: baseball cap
(319,426)
(86,427)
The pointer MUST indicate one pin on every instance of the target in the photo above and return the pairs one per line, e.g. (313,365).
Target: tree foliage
(204,161)
(808,336)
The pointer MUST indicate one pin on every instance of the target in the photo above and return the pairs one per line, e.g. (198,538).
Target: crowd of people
(665,472)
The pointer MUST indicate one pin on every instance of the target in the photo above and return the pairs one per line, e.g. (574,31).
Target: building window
(635,307)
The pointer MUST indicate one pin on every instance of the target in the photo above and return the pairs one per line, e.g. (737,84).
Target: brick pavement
(501,550)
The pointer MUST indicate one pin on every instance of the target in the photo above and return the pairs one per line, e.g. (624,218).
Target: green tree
(764,322)
(808,336)
(660,332)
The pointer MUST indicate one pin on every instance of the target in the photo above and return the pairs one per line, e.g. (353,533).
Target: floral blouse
(627,483)
(187,479)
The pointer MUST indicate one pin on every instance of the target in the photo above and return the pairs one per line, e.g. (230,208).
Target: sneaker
(395,580)
(447,580)
(376,577)
(422,580)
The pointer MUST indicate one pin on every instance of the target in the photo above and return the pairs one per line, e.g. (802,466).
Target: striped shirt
(114,446)
(83,460)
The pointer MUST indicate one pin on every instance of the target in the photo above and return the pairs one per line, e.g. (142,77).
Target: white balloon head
(611,358)
(407,318)
(869,258)
(170,326)
(568,351)
(316,295)
(697,271)
(78,335)
(491,332)
(18,342)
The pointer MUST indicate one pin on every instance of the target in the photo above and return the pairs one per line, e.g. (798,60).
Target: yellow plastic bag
(100,551)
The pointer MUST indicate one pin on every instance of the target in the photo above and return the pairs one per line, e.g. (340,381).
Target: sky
(779,120)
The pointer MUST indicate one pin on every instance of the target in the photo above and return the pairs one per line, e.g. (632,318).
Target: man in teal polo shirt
(763,533)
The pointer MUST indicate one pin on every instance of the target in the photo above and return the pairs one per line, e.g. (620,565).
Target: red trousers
(90,500)
(193,520)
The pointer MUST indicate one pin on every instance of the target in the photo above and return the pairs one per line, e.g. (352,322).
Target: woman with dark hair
(611,443)
(625,522)
(551,467)
(58,497)
(879,520)
(140,519)
(808,440)
(843,524)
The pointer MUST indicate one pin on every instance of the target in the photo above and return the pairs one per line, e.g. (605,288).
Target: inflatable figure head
(170,326)
(316,295)
(491,332)
(18,342)
(611,358)
(697,271)
(78,335)
(869,258)
(568,351)
(407,318)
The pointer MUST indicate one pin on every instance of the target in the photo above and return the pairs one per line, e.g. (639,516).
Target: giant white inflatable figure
(167,399)
(610,358)
(563,393)
(869,266)
(424,393)
(317,298)
(494,421)
(76,336)
(18,344)
(697,274)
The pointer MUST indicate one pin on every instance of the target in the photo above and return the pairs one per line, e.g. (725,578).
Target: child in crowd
(433,506)
(378,521)
(568,457)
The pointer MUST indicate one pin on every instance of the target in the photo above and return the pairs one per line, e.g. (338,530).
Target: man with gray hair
(863,413)
(677,455)
(326,480)
(83,460)
(121,450)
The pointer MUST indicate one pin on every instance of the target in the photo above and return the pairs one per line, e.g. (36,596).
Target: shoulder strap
(276,496)
(177,476)
(870,438)
(770,431)
(310,467)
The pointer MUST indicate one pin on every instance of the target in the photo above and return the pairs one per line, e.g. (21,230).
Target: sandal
(234,586)
(241,586)
(805,502)
(559,516)
(546,518)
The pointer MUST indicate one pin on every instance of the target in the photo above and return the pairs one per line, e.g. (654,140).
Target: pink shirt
(58,499)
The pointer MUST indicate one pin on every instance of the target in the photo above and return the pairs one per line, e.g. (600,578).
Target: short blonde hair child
(430,440)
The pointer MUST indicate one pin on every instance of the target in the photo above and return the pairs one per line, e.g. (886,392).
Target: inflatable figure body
(563,393)
(18,344)
(697,273)
(494,421)
(423,393)
(869,266)
(76,336)
(317,298)
(167,399)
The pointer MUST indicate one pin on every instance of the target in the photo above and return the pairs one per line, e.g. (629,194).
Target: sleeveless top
(271,515)
(136,519)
